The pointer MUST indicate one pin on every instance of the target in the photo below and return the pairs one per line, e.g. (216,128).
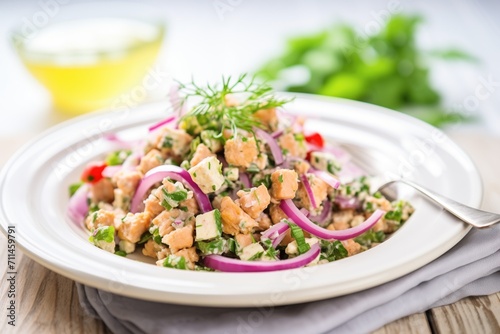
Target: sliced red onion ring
(324,216)
(176,173)
(222,160)
(277,134)
(305,212)
(78,206)
(303,222)
(310,194)
(341,155)
(275,233)
(162,123)
(350,171)
(132,161)
(325,176)
(225,264)
(113,138)
(273,145)
(110,171)
(245,180)
(345,202)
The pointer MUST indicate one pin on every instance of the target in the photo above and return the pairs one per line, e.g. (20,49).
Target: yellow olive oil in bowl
(86,63)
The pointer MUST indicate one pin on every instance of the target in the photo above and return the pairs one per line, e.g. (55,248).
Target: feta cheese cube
(126,246)
(208,138)
(107,246)
(231,173)
(207,174)
(325,161)
(252,252)
(208,225)
(292,248)
(176,140)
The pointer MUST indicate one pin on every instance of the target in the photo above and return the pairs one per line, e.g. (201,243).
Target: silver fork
(475,217)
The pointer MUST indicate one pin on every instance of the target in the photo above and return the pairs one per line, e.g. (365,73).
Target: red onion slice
(225,264)
(303,222)
(110,171)
(176,173)
(345,202)
(78,206)
(323,217)
(273,145)
(310,194)
(113,138)
(325,176)
(275,233)
(245,180)
(276,134)
(162,123)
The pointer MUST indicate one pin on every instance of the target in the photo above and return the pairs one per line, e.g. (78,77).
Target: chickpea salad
(230,182)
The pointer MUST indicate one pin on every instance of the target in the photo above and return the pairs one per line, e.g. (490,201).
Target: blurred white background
(213,37)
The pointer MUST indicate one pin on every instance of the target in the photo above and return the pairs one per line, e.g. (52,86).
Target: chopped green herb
(103,233)
(332,250)
(173,261)
(218,221)
(74,187)
(333,167)
(370,237)
(280,178)
(253,168)
(117,158)
(145,237)
(298,235)
(121,253)
(213,111)
(394,215)
(232,245)
(167,142)
(256,256)
(217,246)
(265,180)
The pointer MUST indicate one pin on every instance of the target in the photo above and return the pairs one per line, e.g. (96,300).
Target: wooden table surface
(48,302)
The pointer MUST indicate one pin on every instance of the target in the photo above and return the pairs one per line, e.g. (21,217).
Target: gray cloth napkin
(471,268)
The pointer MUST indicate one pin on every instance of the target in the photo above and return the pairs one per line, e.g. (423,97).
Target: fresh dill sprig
(213,104)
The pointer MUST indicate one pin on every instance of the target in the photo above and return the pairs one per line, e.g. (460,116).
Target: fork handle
(474,217)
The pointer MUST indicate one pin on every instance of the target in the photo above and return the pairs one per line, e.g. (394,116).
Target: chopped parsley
(120,253)
(298,235)
(217,246)
(103,233)
(256,256)
(73,188)
(173,261)
(253,168)
(145,237)
(167,142)
(117,158)
(370,237)
(332,250)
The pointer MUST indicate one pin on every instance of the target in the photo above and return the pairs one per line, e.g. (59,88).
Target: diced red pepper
(315,139)
(93,172)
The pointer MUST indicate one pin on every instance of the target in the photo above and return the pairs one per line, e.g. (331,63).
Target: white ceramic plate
(33,196)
